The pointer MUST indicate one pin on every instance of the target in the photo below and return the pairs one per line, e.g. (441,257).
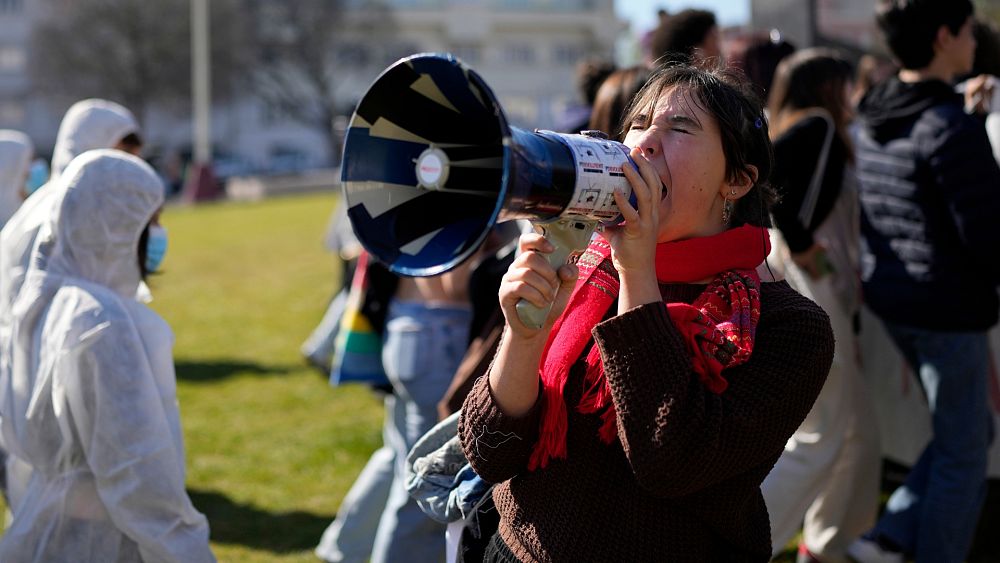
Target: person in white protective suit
(88,124)
(15,160)
(89,394)
(16,151)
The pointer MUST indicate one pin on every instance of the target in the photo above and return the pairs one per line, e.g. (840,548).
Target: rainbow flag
(357,353)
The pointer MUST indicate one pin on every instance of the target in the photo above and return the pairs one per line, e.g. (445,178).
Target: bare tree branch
(297,44)
(133,51)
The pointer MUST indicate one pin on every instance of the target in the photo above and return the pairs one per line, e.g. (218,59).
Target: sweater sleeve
(497,445)
(796,155)
(963,165)
(678,436)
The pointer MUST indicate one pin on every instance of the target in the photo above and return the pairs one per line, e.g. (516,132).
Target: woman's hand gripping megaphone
(540,279)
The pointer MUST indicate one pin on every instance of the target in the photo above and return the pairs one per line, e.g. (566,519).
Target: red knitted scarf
(718,327)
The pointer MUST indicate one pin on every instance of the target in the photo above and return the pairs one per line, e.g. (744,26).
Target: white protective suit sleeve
(16,151)
(120,419)
(17,240)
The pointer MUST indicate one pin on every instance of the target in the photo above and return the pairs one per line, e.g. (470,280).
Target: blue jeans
(933,515)
(349,538)
(421,351)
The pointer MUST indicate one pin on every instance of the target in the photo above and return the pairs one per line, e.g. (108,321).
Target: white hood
(109,198)
(15,157)
(88,125)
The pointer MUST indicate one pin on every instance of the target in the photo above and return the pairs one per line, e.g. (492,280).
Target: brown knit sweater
(682,482)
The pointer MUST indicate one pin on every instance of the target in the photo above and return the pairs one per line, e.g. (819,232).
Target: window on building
(12,58)
(518,54)
(414,3)
(11,114)
(470,54)
(568,54)
(11,6)
(545,5)
(521,110)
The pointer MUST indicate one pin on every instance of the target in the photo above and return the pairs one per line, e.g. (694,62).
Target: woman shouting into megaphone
(638,422)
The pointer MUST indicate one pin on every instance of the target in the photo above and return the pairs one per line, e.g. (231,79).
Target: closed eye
(684,124)
(639,122)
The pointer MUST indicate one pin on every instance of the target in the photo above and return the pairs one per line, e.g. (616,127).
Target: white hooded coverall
(88,389)
(16,150)
(88,124)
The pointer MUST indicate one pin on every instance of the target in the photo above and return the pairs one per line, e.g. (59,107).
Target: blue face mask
(38,174)
(156,247)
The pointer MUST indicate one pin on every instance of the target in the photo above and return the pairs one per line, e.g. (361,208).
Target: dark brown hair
(758,56)
(729,98)
(590,74)
(143,241)
(674,41)
(130,142)
(613,97)
(911,26)
(812,78)
(987,57)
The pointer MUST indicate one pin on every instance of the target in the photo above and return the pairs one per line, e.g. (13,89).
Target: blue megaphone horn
(431,165)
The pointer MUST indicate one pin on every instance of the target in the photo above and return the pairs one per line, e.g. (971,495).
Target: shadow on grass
(209,370)
(255,528)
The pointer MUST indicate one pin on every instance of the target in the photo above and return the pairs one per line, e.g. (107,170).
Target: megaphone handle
(567,236)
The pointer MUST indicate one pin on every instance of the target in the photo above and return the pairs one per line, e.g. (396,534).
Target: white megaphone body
(431,165)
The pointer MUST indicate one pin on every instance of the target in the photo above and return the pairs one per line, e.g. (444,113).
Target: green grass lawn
(271,448)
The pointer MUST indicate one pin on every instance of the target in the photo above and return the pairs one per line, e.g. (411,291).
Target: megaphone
(431,165)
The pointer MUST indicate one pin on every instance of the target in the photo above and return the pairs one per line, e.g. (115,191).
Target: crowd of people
(698,390)
(619,431)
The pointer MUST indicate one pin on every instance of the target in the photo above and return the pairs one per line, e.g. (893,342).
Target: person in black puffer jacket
(930,199)
(930,194)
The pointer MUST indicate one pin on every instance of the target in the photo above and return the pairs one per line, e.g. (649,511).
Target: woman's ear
(741,183)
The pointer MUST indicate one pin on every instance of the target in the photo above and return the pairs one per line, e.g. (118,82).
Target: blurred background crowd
(284,78)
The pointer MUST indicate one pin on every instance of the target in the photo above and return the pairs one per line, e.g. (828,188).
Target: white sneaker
(863,550)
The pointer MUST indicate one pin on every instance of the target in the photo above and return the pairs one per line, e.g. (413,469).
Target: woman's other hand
(978,93)
(633,243)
